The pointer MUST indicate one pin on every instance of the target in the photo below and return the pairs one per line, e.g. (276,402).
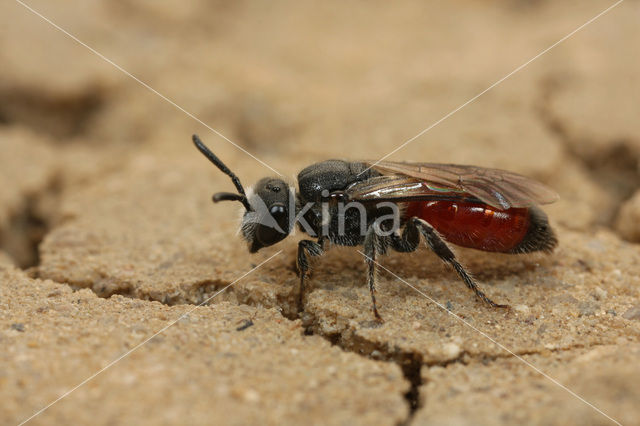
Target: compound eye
(277,210)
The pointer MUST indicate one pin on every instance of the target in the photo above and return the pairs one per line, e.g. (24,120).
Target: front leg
(312,249)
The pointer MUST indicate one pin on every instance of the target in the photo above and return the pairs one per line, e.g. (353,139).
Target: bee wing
(498,188)
(399,188)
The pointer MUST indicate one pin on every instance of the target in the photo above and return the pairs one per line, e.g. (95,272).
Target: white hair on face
(250,195)
(245,228)
(253,198)
(249,220)
(249,192)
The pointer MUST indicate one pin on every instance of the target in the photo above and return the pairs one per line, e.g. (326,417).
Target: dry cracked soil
(127,297)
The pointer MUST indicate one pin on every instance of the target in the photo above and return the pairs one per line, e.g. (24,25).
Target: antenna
(223,196)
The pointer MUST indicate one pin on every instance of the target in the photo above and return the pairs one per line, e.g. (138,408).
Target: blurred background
(294,82)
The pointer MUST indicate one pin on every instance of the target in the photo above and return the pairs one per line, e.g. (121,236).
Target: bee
(392,206)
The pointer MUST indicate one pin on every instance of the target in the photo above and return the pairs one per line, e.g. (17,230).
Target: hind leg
(410,240)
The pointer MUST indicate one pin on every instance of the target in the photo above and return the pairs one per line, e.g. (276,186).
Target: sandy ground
(109,240)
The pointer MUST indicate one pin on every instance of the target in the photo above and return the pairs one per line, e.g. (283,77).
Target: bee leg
(312,249)
(373,244)
(320,242)
(439,247)
(408,242)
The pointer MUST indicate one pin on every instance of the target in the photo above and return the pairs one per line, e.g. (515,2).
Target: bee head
(267,222)
(266,217)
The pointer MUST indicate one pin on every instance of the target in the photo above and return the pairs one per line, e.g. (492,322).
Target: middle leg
(373,244)
(312,249)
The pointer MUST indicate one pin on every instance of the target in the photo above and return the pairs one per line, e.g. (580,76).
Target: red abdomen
(474,225)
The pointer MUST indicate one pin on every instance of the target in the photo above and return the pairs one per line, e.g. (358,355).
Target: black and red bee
(390,205)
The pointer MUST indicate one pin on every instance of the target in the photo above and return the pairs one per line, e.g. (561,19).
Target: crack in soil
(60,116)
(410,363)
(28,226)
(614,168)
